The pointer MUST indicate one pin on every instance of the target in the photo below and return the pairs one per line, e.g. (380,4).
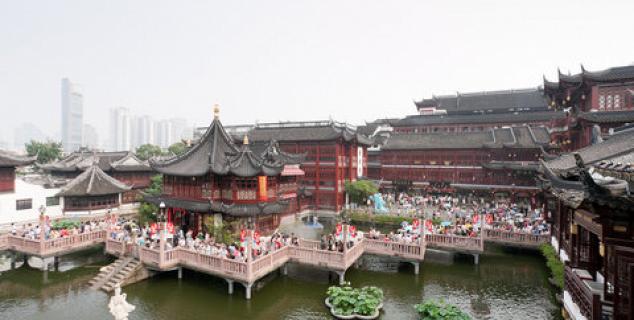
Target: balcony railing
(584,292)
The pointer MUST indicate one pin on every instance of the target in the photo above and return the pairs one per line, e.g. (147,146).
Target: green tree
(147,210)
(148,151)
(360,190)
(45,151)
(177,148)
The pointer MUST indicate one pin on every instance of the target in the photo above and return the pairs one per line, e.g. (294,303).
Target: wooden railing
(516,237)
(589,302)
(454,242)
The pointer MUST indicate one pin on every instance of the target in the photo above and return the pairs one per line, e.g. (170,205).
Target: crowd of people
(51,231)
(461,215)
(335,240)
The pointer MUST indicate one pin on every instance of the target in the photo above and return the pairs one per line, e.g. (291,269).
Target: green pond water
(505,285)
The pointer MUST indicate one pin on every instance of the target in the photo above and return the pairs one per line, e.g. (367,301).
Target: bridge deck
(308,253)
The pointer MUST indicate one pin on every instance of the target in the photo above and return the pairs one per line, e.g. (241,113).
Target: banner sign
(262,195)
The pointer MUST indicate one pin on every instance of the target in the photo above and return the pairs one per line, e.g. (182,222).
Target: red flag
(339,228)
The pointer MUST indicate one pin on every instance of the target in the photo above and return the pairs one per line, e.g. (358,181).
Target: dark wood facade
(593,225)
(500,160)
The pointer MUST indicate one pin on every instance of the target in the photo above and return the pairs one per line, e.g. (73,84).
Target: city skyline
(186,58)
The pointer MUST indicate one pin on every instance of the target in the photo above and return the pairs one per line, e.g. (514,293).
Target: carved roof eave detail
(236,209)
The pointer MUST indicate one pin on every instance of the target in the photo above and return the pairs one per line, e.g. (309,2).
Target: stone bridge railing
(53,247)
(516,238)
(455,243)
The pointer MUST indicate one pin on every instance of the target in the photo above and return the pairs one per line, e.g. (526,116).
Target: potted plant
(346,302)
(439,310)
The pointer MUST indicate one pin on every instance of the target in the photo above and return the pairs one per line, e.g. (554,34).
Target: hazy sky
(289,60)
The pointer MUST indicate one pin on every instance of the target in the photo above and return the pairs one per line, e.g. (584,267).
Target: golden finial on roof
(245,141)
(216,111)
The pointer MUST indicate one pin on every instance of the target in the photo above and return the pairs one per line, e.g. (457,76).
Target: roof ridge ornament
(216,111)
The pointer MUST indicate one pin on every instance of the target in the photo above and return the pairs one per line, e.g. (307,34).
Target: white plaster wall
(24,190)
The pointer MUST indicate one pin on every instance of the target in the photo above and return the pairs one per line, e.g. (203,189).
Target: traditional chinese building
(334,153)
(479,111)
(22,196)
(592,208)
(8,163)
(496,162)
(92,192)
(123,166)
(598,102)
(217,179)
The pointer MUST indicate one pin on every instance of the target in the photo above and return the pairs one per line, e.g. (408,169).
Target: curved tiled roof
(10,159)
(608,116)
(615,146)
(298,132)
(247,164)
(236,210)
(531,98)
(622,73)
(216,152)
(511,137)
(93,182)
(515,117)
(81,160)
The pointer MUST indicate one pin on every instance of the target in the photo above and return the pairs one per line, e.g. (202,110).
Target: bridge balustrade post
(161,245)
(249,258)
(247,287)
(230,284)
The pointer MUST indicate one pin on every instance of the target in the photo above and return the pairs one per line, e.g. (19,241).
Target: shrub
(554,264)
(64,224)
(439,310)
(357,216)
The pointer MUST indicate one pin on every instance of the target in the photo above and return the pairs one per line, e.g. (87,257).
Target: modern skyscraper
(164,133)
(91,138)
(120,129)
(72,116)
(143,131)
(25,133)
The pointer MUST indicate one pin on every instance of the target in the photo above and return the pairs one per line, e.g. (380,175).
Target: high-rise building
(25,133)
(120,129)
(143,131)
(72,116)
(180,130)
(163,133)
(91,139)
